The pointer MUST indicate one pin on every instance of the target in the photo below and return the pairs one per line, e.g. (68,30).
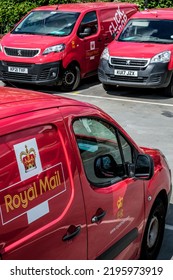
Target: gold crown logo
(28,157)
(120,202)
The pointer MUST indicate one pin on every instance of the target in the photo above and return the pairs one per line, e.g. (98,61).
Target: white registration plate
(18,69)
(132,73)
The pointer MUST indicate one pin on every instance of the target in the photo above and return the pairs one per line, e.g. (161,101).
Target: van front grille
(129,62)
(21,52)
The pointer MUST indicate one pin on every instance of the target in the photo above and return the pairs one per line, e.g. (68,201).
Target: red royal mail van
(60,44)
(141,56)
(74,185)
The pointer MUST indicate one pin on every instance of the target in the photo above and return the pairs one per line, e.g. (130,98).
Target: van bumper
(37,74)
(154,75)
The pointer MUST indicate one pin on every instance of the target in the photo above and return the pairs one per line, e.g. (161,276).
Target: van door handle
(99,40)
(71,232)
(98,216)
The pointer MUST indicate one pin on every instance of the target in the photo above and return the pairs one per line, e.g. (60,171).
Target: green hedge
(11,11)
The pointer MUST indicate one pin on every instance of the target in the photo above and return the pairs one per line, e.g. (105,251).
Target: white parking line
(170,227)
(120,99)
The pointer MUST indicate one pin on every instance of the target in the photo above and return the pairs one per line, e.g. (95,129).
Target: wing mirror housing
(143,168)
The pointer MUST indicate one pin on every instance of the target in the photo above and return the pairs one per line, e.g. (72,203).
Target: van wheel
(154,231)
(71,78)
(169,89)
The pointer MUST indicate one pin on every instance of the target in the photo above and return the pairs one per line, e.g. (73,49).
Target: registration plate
(17,69)
(132,73)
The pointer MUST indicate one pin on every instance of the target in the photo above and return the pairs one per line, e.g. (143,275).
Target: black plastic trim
(118,247)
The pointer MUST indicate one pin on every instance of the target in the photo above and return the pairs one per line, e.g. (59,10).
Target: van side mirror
(86,32)
(105,166)
(144,167)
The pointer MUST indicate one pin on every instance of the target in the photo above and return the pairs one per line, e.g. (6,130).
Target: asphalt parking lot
(147,115)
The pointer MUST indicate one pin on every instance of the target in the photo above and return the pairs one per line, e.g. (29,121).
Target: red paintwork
(80,7)
(144,51)
(26,115)
(163,13)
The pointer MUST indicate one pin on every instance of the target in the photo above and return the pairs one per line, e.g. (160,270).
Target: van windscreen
(148,30)
(53,23)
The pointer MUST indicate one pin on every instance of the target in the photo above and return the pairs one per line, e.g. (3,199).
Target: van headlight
(0,48)
(105,54)
(161,57)
(56,48)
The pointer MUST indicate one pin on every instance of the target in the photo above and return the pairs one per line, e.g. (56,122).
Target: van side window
(126,149)
(88,26)
(103,151)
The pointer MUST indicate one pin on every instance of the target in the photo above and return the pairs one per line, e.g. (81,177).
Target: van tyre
(154,231)
(71,78)
(169,89)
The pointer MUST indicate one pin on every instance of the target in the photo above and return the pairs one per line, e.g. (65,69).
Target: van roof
(78,7)
(15,101)
(160,13)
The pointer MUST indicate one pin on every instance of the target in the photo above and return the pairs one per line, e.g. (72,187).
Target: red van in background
(60,44)
(141,56)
